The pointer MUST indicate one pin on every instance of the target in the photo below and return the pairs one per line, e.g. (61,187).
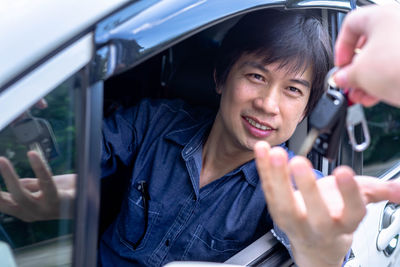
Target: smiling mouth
(257,125)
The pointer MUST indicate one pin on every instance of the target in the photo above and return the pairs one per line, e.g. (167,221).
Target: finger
(44,176)
(30,184)
(375,190)
(360,42)
(317,210)
(393,191)
(12,182)
(353,28)
(354,206)
(346,76)
(359,96)
(12,208)
(274,174)
(8,205)
(7,198)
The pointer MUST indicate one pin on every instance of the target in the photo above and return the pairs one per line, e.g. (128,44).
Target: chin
(250,145)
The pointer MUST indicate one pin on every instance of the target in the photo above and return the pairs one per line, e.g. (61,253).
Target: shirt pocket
(131,221)
(209,247)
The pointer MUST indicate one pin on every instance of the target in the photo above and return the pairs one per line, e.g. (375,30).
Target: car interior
(184,71)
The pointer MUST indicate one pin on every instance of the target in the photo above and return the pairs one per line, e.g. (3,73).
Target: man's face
(262,102)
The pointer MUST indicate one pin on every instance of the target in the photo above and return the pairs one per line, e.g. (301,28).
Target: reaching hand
(320,217)
(374,72)
(41,198)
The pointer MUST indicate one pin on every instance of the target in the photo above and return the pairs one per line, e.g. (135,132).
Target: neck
(220,155)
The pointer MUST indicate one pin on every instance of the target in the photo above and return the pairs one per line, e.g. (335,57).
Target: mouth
(258,125)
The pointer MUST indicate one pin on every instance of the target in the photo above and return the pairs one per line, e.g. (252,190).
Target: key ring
(355,116)
(329,81)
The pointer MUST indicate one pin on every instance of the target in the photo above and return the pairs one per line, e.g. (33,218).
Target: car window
(48,127)
(384,127)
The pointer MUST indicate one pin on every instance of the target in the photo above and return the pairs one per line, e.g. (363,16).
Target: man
(194,192)
(204,198)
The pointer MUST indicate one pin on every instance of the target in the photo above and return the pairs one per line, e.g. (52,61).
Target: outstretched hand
(319,217)
(33,199)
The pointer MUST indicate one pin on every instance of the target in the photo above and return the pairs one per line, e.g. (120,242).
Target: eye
(256,77)
(295,90)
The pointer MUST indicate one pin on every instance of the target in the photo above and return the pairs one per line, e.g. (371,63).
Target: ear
(217,87)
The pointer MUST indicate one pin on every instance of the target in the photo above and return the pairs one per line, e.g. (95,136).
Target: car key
(327,122)
(355,116)
(327,144)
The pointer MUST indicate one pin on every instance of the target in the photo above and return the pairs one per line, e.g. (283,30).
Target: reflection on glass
(48,128)
(384,127)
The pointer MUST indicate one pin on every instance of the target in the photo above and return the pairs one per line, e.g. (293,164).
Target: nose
(268,101)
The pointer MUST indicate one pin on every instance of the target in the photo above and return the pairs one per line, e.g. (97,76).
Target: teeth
(257,125)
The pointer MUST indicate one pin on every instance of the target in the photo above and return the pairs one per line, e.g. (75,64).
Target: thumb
(375,190)
(346,77)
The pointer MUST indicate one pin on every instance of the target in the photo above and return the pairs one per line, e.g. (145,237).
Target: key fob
(328,144)
(32,131)
(329,118)
(329,108)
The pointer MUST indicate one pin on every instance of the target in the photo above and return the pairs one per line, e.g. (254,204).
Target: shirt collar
(191,137)
(250,172)
(249,169)
(189,134)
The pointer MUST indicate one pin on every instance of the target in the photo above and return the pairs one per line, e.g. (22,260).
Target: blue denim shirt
(160,142)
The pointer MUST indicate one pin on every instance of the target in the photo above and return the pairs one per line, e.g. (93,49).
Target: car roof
(31,29)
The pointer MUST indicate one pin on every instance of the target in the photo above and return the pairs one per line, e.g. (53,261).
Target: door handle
(388,235)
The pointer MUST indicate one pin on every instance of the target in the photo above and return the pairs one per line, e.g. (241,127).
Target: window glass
(384,127)
(48,128)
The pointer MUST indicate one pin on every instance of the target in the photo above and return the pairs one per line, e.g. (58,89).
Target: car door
(50,104)
(47,121)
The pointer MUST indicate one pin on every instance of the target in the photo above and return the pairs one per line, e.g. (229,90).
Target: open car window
(43,110)
(383,152)
(47,127)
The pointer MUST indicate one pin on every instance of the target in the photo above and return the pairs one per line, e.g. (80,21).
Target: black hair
(286,37)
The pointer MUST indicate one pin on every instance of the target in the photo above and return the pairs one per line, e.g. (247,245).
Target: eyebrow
(300,81)
(254,65)
(262,68)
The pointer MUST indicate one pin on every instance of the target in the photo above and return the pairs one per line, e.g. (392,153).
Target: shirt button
(167,242)
(194,197)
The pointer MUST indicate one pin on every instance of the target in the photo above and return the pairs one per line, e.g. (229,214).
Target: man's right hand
(319,216)
(35,199)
